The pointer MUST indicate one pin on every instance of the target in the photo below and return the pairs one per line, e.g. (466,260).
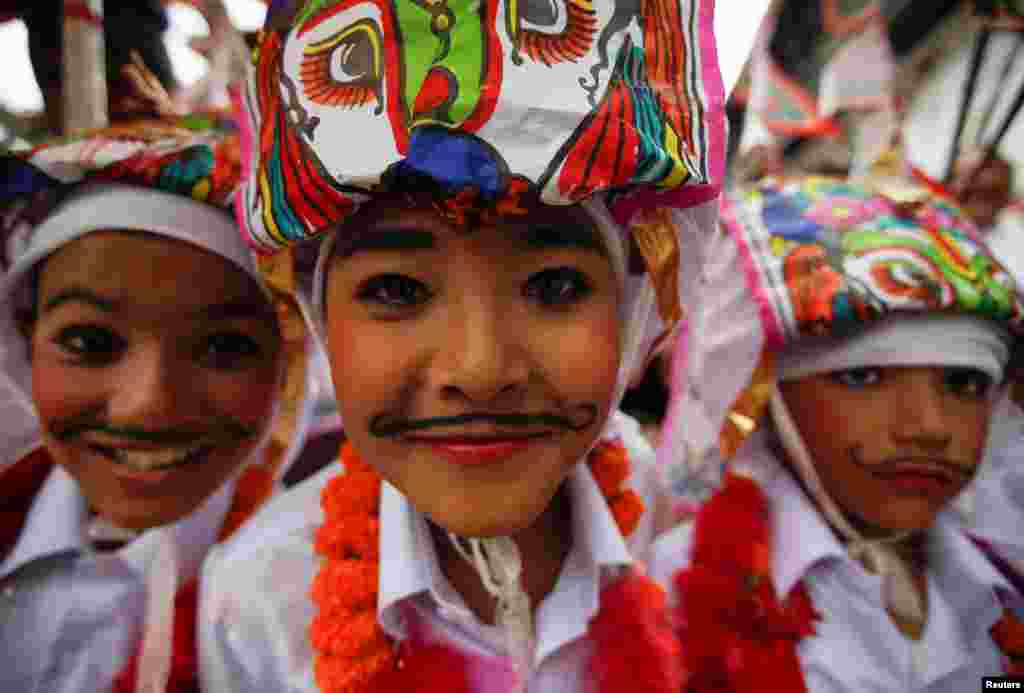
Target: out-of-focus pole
(84,72)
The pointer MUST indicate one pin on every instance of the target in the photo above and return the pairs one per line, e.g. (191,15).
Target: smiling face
(473,370)
(893,446)
(153,380)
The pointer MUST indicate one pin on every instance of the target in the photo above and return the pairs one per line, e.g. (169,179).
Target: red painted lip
(920,479)
(471,451)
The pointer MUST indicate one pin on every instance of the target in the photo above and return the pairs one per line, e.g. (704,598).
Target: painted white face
(489,99)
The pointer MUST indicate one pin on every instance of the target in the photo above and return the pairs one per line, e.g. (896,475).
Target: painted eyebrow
(556,236)
(217,311)
(80,295)
(386,239)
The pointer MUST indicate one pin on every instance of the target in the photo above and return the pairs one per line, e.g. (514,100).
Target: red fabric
(184,673)
(424,669)
(635,647)
(19,485)
(736,634)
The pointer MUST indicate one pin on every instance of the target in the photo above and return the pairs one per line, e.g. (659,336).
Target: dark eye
(91,344)
(858,377)
(393,291)
(557,288)
(968,382)
(229,350)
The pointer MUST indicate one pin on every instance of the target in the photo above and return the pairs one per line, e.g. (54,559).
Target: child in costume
(870,332)
(477,172)
(143,365)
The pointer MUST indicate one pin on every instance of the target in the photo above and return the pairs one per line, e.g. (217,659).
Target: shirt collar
(799,535)
(801,539)
(410,565)
(962,568)
(193,535)
(58,518)
(55,523)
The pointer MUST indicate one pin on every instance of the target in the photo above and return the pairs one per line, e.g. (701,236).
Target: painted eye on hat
(345,69)
(547,33)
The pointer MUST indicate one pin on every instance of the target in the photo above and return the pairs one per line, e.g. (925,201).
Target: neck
(544,546)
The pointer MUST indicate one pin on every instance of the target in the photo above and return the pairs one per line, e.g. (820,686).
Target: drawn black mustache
(385,426)
(226,430)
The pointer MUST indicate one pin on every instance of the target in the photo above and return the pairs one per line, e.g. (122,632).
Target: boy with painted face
(143,363)
(477,172)
(881,329)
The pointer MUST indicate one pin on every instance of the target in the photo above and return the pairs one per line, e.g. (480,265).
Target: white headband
(118,206)
(963,341)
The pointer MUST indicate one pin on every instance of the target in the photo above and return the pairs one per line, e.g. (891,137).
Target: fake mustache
(225,431)
(583,416)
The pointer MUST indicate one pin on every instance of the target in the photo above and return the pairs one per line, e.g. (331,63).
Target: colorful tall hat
(826,257)
(484,104)
(811,261)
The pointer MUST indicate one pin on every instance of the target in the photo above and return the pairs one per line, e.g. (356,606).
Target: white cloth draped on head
(92,208)
(962,341)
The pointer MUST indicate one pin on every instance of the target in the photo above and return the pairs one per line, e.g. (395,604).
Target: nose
(482,357)
(920,418)
(153,391)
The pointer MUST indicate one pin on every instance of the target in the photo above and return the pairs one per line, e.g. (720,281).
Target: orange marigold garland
(355,655)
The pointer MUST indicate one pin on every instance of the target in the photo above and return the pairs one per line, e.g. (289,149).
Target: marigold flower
(354,636)
(609,465)
(350,536)
(627,509)
(346,584)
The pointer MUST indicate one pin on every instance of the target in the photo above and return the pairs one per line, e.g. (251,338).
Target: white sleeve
(254,616)
(670,553)
(221,667)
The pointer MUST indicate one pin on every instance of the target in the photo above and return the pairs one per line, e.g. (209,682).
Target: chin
(480,527)
(910,517)
(143,520)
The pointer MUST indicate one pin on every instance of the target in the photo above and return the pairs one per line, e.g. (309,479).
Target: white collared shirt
(71,618)
(255,608)
(856,647)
